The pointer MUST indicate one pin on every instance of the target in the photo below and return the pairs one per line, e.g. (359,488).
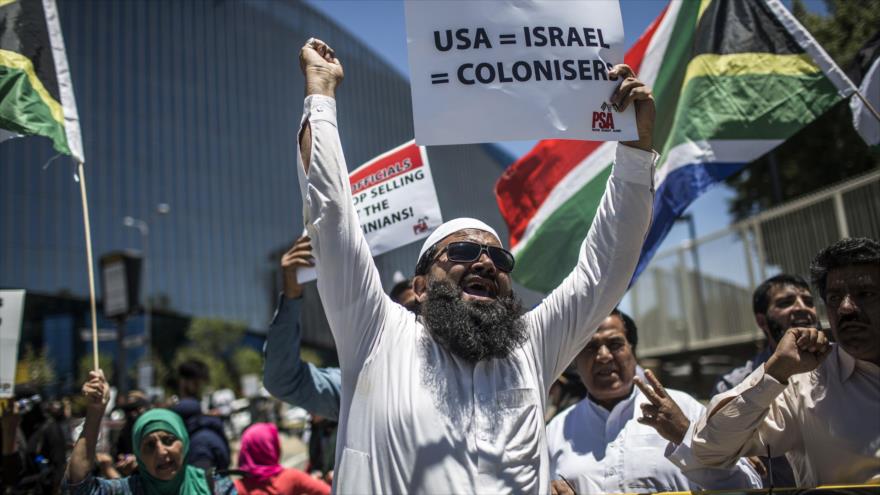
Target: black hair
(761,296)
(194,369)
(632,332)
(850,251)
(399,288)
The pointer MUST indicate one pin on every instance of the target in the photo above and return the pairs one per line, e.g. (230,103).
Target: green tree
(828,150)
(215,336)
(34,368)
(217,343)
(247,361)
(105,362)
(221,376)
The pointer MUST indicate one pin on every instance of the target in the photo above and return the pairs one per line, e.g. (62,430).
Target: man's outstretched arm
(285,375)
(564,321)
(348,282)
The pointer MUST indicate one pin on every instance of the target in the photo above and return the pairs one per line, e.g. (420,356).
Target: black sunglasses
(467,252)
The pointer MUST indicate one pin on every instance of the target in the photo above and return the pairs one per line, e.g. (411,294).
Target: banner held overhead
(395,200)
(516,70)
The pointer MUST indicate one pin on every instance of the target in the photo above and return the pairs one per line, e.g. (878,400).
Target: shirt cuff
(762,389)
(635,165)
(319,108)
(681,454)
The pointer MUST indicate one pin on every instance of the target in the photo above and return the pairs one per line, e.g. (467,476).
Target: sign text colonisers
(492,71)
(489,72)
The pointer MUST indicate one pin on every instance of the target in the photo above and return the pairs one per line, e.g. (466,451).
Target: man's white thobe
(602,451)
(415,418)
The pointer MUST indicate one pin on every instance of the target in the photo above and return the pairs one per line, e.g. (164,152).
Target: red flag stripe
(529,181)
(636,53)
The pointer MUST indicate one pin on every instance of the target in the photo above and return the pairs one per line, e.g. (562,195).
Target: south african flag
(732,80)
(36,93)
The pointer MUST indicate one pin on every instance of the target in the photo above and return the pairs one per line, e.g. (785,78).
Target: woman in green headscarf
(160,444)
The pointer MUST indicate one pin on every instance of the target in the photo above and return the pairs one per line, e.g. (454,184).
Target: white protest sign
(11,311)
(395,200)
(485,71)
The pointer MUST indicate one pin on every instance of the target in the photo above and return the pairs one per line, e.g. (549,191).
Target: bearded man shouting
(450,399)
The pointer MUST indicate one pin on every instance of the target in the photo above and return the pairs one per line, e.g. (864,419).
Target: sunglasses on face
(468,252)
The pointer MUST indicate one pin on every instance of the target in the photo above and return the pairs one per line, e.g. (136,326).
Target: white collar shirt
(602,451)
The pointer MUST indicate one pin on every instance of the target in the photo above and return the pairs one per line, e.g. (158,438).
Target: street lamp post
(144,229)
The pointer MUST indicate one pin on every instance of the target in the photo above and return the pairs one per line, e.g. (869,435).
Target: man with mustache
(451,400)
(628,435)
(819,404)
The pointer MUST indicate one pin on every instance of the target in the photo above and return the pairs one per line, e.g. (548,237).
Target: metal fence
(697,296)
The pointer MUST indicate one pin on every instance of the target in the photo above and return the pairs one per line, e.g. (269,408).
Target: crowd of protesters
(446,385)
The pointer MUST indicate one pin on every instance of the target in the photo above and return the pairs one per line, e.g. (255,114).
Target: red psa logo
(603,120)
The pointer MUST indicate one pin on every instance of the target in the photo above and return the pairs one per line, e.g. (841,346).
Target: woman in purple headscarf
(260,452)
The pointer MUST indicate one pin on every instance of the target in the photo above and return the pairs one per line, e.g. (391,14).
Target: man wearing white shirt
(450,400)
(627,436)
(819,404)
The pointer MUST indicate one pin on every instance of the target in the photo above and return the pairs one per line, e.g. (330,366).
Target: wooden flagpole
(80,170)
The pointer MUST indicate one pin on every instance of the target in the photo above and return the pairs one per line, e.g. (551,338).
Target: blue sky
(381,26)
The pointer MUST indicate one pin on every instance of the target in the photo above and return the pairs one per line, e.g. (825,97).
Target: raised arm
(757,413)
(565,320)
(82,459)
(348,282)
(285,375)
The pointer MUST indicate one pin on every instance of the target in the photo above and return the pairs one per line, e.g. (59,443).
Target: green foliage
(217,343)
(247,361)
(829,150)
(34,368)
(847,27)
(105,362)
(218,368)
(215,336)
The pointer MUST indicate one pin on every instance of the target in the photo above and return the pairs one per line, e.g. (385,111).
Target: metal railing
(698,295)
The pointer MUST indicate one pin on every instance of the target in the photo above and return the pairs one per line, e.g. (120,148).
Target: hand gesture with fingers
(300,255)
(97,391)
(323,71)
(662,413)
(633,91)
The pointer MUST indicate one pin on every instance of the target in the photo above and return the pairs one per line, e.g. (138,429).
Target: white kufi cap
(453,226)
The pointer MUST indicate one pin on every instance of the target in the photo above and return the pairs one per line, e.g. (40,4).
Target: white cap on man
(453,226)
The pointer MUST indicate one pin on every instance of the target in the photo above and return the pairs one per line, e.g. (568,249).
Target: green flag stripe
(742,26)
(24,110)
(667,86)
(27,34)
(18,62)
(766,106)
(540,264)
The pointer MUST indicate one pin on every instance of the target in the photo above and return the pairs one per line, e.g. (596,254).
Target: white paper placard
(395,199)
(11,312)
(492,70)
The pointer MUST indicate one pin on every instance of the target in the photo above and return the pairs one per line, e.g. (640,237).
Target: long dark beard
(473,330)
